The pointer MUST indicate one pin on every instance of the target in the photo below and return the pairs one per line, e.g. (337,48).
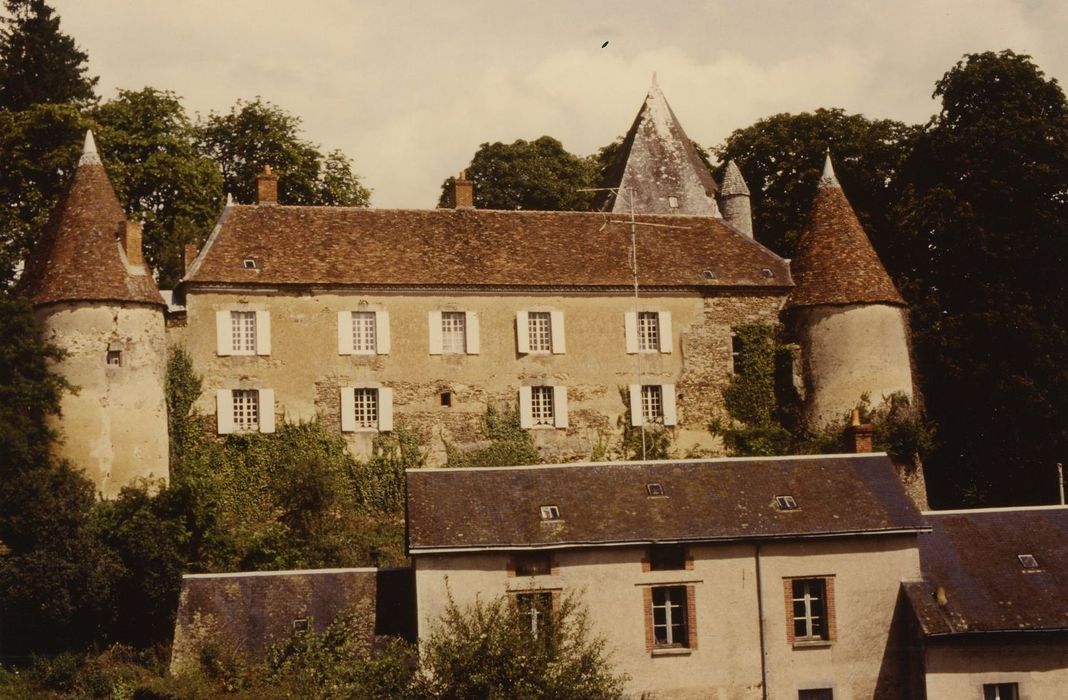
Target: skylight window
(786,503)
(709,275)
(1028,561)
(767,272)
(550,513)
(654,489)
(250,264)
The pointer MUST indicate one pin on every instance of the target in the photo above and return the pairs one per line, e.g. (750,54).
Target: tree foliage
(781,158)
(488,650)
(538,175)
(38,62)
(258,133)
(984,216)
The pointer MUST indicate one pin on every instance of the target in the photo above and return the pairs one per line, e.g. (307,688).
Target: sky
(409,90)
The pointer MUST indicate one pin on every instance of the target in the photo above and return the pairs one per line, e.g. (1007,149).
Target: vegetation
(506,444)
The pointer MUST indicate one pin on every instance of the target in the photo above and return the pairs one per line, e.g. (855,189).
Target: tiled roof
(733,182)
(657,160)
(476,247)
(974,558)
(835,262)
(703,501)
(78,256)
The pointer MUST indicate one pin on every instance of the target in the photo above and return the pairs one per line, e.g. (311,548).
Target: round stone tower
(734,200)
(96,300)
(845,313)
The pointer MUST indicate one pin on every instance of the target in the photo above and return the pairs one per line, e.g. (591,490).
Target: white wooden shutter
(630,322)
(471,324)
(224,410)
(667,395)
(635,404)
(434,326)
(560,406)
(224,339)
(382,332)
(348,409)
(526,416)
(557,321)
(385,409)
(266,410)
(344,333)
(522,332)
(263,333)
(664,320)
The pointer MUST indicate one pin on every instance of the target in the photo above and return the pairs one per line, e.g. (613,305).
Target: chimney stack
(189,254)
(464,191)
(862,435)
(130,236)
(267,187)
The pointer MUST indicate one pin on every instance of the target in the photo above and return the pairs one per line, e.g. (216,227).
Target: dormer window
(550,513)
(673,202)
(654,489)
(250,264)
(785,503)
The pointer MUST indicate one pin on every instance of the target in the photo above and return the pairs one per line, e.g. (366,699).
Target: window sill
(811,643)
(672,651)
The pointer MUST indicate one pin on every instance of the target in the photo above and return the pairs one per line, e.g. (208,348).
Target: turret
(658,169)
(844,312)
(734,200)
(97,301)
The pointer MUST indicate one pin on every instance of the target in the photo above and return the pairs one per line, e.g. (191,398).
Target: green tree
(258,133)
(781,158)
(55,578)
(39,63)
(489,650)
(985,217)
(539,175)
(150,149)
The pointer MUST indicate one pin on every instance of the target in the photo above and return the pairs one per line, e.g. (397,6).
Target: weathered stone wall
(248,612)
(115,426)
(306,370)
(848,351)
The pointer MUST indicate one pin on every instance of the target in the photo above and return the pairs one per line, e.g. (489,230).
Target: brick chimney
(861,435)
(267,187)
(189,254)
(130,237)
(464,192)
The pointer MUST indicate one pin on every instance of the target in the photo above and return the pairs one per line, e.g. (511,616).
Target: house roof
(79,256)
(704,500)
(974,558)
(658,160)
(835,261)
(477,248)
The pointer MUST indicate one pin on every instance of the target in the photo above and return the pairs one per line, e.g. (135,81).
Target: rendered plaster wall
(306,371)
(725,665)
(959,667)
(848,351)
(115,426)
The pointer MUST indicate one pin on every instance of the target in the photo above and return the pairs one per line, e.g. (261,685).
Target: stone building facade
(585,323)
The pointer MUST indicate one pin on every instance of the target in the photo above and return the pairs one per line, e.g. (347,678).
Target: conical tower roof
(79,256)
(835,262)
(733,182)
(657,161)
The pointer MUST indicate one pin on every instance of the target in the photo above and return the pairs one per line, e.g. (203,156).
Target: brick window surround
(532,564)
(690,616)
(812,587)
(662,558)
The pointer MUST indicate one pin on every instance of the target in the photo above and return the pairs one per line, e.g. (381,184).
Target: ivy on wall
(506,443)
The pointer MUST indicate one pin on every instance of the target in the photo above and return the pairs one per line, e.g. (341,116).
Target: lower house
(991,613)
(737,578)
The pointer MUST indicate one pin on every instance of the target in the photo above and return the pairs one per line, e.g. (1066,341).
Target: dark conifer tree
(38,62)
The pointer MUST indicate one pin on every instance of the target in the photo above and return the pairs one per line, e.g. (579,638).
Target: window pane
(243,331)
(1001,691)
(667,557)
(533,564)
(539,327)
(453,332)
(669,616)
(363,331)
(541,405)
(816,694)
(652,404)
(365,403)
(246,410)
(648,330)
